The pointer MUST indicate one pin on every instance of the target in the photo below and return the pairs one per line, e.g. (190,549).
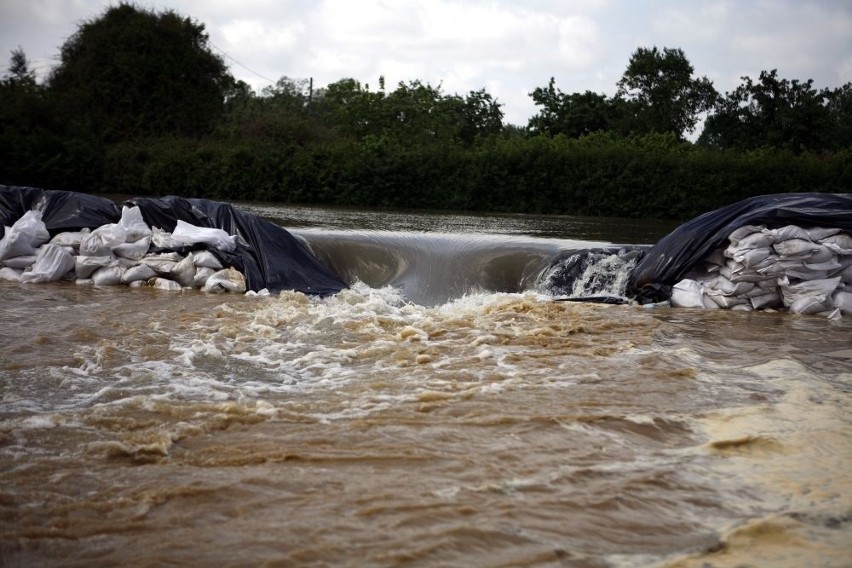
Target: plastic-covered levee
(268,255)
(677,253)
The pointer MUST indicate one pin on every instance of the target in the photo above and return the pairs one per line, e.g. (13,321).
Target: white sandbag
(227,280)
(767,300)
(805,273)
(739,274)
(686,294)
(107,275)
(842,300)
(795,248)
(137,284)
(742,308)
(763,239)
(744,231)
(845,275)
(84,266)
(102,240)
(790,232)
(163,239)
(133,224)
(70,238)
(10,274)
(202,273)
(724,300)
(828,266)
(163,262)
(187,234)
(725,286)
(184,272)
(206,259)
(20,262)
(133,250)
(821,254)
(840,243)
(819,289)
(811,305)
(84,282)
(24,236)
(819,233)
(165,284)
(52,263)
(752,257)
(140,272)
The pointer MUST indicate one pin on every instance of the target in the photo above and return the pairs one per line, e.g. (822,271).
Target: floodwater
(476,423)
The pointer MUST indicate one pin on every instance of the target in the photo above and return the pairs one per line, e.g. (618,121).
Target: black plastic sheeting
(61,210)
(268,255)
(667,262)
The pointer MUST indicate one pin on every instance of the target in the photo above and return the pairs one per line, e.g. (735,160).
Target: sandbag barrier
(127,252)
(784,252)
(806,271)
(268,256)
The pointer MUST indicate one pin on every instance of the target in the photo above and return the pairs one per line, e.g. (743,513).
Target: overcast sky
(509,47)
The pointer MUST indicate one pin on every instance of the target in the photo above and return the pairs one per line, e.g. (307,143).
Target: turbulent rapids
(430,403)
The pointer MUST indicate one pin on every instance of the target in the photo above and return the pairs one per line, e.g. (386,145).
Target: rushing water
(443,411)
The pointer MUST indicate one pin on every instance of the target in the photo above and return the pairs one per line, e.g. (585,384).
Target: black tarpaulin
(61,210)
(674,255)
(268,255)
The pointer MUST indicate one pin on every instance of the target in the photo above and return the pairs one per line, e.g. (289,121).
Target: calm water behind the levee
(494,427)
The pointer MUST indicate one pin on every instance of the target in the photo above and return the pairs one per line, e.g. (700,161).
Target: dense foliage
(140,105)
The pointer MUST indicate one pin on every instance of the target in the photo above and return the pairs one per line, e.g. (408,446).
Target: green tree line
(140,104)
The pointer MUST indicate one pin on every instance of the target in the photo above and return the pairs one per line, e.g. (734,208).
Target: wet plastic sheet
(61,210)
(674,255)
(268,255)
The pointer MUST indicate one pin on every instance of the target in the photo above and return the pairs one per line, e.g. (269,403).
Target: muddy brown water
(495,428)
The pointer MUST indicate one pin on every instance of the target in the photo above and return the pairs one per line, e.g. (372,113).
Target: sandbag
(165,284)
(103,240)
(680,251)
(52,263)
(86,265)
(20,262)
(133,250)
(202,273)
(227,280)
(184,273)
(24,236)
(70,238)
(141,272)
(268,255)
(206,259)
(186,234)
(107,275)
(134,226)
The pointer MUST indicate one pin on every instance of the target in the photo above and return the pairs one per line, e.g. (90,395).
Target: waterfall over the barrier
(590,273)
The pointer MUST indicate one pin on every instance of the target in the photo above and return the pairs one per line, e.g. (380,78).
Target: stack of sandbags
(118,253)
(807,271)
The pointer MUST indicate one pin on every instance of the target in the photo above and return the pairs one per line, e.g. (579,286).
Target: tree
(135,73)
(663,95)
(573,115)
(28,141)
(481,117)
(777,113)
(19,74)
